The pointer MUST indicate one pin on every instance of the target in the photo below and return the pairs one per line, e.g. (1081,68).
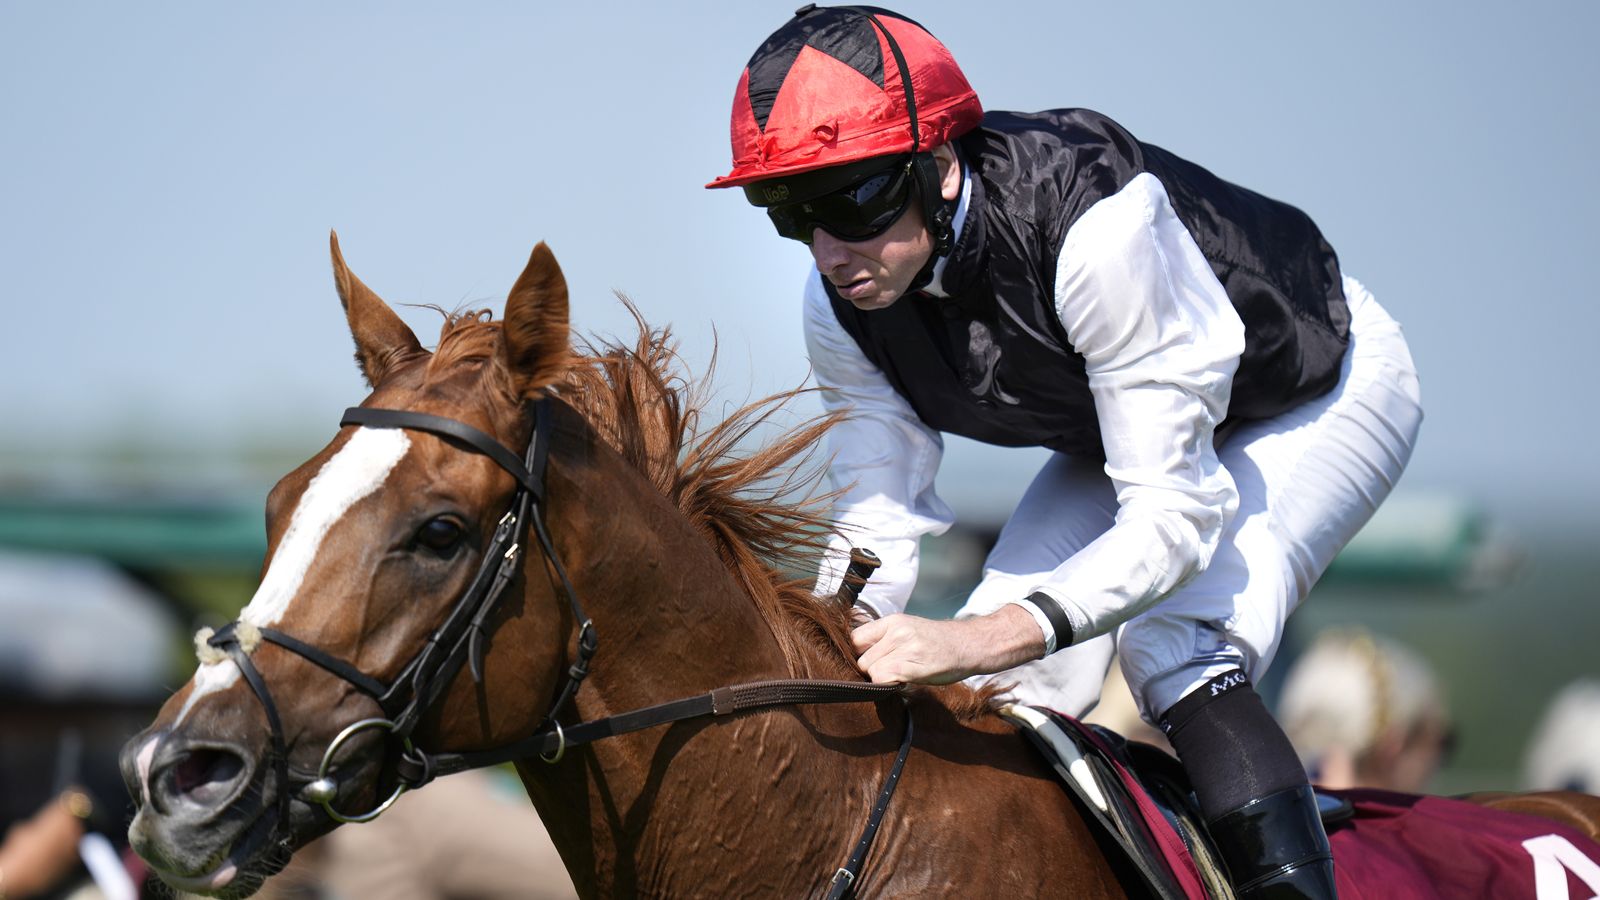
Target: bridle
(461,640)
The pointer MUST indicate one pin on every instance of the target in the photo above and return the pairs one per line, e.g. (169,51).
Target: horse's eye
(441,535)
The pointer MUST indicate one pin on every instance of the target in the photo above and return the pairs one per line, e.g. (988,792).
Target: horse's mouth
(234,870)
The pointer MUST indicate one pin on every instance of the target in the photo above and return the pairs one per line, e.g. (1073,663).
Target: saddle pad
(1115,801)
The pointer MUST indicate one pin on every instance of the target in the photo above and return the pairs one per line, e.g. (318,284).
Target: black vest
(993,363)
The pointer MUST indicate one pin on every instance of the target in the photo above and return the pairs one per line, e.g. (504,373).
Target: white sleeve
(882,460)
(1162,342)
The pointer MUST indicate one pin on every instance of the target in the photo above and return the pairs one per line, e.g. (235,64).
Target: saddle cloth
(1385,845)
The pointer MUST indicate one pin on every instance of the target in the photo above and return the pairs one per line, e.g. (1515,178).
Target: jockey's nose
(828,251)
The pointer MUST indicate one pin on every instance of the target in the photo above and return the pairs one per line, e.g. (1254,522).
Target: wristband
(1060,624)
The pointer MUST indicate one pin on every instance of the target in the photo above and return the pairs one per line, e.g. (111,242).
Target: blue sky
(172,171)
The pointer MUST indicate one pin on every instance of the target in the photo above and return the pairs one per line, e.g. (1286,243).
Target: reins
(553,744)
(462,639)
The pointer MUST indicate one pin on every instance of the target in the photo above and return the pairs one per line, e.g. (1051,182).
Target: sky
(172,172)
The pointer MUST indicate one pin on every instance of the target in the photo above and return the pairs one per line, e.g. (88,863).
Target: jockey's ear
(536,330)
(949,165)
(382,340)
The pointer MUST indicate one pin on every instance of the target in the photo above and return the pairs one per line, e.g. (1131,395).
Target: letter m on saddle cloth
(1384,844)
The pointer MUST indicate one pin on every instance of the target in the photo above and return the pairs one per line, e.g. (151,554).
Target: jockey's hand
(910,649)
(861,615)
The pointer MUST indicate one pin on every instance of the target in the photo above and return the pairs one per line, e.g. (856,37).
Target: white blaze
(360,467)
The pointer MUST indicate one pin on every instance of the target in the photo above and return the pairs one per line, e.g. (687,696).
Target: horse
(432,600)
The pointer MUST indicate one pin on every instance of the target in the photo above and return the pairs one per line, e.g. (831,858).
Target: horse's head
(375,603)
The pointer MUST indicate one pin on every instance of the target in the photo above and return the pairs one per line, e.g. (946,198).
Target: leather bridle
(461,640)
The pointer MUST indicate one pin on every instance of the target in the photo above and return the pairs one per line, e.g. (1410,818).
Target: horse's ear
(382,340)
(536,330)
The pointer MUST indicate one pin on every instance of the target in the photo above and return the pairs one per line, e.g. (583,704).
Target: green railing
(140,533)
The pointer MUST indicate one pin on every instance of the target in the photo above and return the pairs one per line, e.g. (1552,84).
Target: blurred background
(173,344)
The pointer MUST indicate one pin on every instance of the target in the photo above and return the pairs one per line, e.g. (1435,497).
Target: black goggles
(860,210)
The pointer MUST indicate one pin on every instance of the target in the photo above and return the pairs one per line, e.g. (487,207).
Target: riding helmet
(842,84)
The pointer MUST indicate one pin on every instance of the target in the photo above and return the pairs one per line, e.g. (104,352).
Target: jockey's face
(874,273)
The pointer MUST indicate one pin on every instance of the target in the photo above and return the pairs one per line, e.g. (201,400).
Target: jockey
(1227,408)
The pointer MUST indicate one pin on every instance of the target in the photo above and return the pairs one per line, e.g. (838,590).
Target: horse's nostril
(205,776)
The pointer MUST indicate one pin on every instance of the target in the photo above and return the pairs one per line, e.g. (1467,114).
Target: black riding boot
(1253,793)
(1275,848)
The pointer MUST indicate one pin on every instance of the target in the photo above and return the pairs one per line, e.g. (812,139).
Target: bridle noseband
(462,639)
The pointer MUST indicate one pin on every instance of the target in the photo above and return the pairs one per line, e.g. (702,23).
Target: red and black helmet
(842,84)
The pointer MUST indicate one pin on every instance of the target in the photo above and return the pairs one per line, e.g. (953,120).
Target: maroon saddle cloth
(1404,845)
(1386,846)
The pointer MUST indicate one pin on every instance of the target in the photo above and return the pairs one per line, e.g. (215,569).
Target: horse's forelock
(469,336)
(473,338)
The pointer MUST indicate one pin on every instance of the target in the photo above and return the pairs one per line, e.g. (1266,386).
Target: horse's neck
(672,622)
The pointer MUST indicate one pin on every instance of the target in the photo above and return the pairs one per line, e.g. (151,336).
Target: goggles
(862,209)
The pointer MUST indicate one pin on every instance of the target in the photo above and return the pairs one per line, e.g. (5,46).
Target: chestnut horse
(432,599)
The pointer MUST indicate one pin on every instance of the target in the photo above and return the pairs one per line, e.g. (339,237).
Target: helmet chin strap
(936,213)
(939,217)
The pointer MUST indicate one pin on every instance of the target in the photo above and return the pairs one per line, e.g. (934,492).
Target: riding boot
(1252,792)
(1275,848)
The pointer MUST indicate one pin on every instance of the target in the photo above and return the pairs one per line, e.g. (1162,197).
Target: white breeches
(1308,480)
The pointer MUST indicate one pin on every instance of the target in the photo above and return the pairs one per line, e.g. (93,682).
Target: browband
(449,428)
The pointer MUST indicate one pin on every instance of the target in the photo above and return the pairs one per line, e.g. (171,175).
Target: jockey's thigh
(1308,480)
(1069,503)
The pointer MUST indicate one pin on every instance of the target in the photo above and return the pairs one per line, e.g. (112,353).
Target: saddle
(1140,799)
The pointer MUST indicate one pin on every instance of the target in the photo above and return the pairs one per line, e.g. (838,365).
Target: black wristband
(1058,617)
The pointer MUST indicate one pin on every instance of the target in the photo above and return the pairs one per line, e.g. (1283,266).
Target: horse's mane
(759,508)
